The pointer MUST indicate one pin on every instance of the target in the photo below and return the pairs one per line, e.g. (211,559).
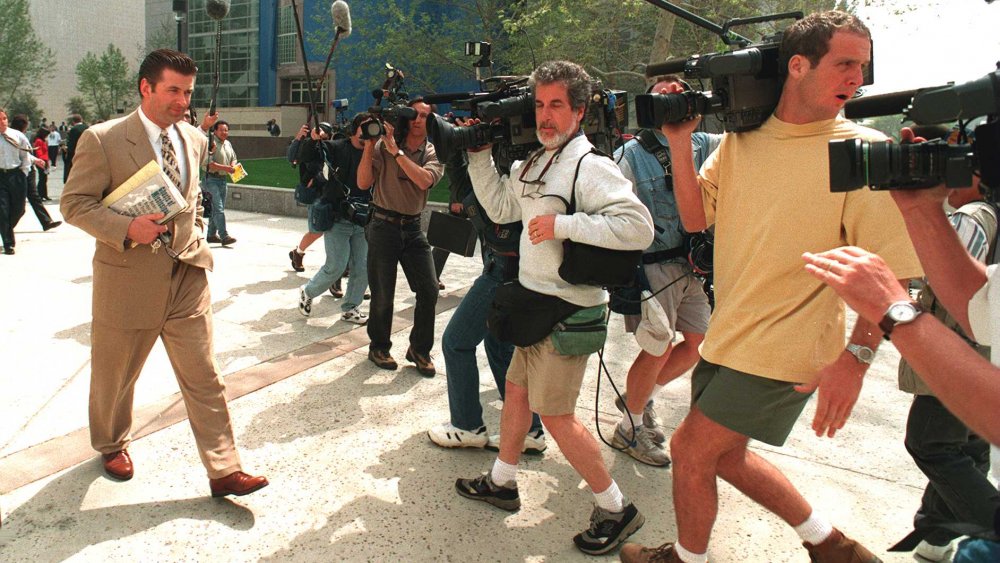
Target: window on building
(239,55)
(286,44)
(298,94)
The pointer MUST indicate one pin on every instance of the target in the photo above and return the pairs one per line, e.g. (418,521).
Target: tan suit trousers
(117,357)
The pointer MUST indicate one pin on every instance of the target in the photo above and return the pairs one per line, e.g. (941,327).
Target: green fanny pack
(583,332)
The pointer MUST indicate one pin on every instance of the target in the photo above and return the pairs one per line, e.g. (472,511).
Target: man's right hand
(144,229)
(303,132)
(469,122)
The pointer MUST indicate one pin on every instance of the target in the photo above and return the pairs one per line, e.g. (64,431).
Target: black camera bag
(524,317)
(452,233)
(585,264)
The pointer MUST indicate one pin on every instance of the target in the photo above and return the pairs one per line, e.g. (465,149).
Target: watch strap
(887,323)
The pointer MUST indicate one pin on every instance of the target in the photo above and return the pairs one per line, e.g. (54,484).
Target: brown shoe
(237,483)
(118,465)
(839,548)
(213,239)
(424,364)
(228,240)
(382,359)
(337,289)
(296,259)
(635,553)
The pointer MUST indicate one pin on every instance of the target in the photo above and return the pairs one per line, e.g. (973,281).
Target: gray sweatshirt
(608,214)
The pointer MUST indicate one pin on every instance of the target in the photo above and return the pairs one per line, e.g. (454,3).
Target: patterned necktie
(170,165)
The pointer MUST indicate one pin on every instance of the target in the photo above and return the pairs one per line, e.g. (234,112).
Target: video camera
(746,82)
(884,165)
(396,105)
(506,108)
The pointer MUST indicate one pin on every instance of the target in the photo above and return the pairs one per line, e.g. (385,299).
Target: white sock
(611,498)
(299,250)
(814,530)
(689,557)
(503,473)
(629,419)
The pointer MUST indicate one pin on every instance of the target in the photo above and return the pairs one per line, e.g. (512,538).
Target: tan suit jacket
(131,285)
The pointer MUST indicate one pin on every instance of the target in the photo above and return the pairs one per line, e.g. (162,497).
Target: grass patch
(278,173)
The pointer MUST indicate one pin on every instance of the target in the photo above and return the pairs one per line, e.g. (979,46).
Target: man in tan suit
(143,288)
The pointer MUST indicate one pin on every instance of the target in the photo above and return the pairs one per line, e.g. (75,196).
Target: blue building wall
(268,56)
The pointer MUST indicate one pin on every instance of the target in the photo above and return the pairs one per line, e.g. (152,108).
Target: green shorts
(763,409)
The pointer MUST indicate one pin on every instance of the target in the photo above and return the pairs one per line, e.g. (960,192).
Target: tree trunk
(662,39)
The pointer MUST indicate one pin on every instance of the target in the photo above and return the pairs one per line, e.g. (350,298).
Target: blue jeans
(391,245)
(465,330)
(955,462)
(217,221)
(975,550)
(345,242)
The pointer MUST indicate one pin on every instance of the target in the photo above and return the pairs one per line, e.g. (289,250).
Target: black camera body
(883,165)
(356,210)
(396,106)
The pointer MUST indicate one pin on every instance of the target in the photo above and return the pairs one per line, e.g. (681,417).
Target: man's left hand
(542,228)
(839,385)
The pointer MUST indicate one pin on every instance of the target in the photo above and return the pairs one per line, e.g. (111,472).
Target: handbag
(581,333)
(524,317)
(586,264)
(452,233)
(305,195)
(322,217)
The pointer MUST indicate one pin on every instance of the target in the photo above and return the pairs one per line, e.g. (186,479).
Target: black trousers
(13,187)
(35,196)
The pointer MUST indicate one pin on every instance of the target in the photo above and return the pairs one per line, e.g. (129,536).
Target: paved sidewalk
(353,475)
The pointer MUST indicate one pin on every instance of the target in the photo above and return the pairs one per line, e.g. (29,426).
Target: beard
(555,140)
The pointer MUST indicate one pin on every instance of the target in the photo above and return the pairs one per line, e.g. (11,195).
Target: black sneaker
(483,488)
(608,529)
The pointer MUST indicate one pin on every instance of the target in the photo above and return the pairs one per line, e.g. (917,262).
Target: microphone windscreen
(217,9)
(874,106)
(341,17)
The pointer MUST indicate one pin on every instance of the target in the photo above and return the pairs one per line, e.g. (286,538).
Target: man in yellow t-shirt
(777,334)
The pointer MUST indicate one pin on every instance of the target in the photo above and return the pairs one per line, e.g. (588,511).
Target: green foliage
(105,82)
(77,104)
(23,58)
(25,103)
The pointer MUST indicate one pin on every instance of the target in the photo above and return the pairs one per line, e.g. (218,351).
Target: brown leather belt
(397,219)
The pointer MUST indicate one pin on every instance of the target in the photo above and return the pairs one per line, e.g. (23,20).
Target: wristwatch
(900,312)
(399,153)
(864,354)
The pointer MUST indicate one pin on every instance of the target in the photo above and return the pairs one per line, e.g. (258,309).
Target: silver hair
(572,75)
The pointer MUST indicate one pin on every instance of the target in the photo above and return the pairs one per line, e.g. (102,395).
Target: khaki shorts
(684,302)
(763,409)
(553,381)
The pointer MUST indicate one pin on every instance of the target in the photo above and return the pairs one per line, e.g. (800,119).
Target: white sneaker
(929,553)
(534,443)
(305,302)
(355,316)
(448,436)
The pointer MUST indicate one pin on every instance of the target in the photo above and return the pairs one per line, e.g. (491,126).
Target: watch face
(902,312)
(866,354)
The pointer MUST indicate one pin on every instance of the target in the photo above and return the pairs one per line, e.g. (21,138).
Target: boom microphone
(672,66)
(217,9)
(874,106)
(341,18)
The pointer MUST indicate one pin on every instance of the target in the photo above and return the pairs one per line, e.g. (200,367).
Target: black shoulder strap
(571,206)
(648,141)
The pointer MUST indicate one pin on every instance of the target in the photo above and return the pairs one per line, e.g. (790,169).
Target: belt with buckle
(395,218)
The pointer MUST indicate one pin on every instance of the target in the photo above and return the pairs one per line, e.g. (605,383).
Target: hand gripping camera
(884,165)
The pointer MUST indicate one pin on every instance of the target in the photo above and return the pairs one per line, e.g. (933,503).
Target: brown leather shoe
(424,364)
(382,359)
(635,553)
(237,483)
(839,548)
(296,259)
(228,241)
(213,238)
(118,465)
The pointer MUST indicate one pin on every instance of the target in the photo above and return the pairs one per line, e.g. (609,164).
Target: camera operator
(608,215)
(345,241)
(467,329)
(297,254)
(955,372)
(678,291)
(775,336)
(402,166)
